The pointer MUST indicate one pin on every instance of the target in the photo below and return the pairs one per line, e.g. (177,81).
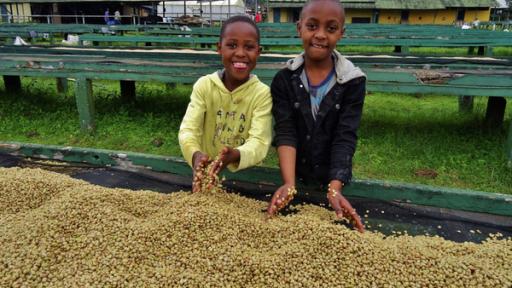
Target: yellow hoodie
(216,118)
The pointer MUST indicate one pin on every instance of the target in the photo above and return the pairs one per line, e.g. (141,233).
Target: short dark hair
(238,18)
(310,2)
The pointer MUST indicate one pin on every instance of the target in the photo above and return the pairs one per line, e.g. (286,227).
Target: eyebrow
(328,22)
(243,40)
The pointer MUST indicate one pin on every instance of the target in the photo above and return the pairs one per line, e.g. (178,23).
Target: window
(361,19)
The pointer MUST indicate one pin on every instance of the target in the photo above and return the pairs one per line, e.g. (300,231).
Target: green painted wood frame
(458,199)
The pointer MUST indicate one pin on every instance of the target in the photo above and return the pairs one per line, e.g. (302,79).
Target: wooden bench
(399,36)
(404,44)
(471,77)
(32,31)
(259,181)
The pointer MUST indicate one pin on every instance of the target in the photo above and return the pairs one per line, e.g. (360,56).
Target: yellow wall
(22,10)
(389,17)
(482,15)
(418,17)
(26,10)
(422,16)
(445,16)
(357,13)
(284,15)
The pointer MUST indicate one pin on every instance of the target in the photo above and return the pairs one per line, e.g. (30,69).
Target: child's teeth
(239,65)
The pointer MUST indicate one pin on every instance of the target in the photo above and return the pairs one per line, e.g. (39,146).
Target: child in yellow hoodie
(229,110)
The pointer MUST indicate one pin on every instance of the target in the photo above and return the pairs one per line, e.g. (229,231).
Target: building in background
(393,11)
(220,10)
(74,11)
(501,11)
(357,11)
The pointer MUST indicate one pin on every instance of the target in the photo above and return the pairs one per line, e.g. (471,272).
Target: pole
(266,13)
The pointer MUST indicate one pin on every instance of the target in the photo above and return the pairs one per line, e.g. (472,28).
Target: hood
(216,79)
(345,70)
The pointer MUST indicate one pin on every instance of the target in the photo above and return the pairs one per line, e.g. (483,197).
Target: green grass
(399,135)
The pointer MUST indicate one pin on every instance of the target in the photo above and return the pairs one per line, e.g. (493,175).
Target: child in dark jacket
(317,106)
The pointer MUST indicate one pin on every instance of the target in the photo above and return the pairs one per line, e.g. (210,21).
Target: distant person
(317,106)
(106,17)
(258,17)
(229,113)
(465,26)
(117,17)
(475,23)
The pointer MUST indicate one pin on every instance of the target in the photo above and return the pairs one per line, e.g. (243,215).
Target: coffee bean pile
(59,232)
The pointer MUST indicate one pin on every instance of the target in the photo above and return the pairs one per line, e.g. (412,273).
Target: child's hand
(343,208)
(200,161)
(227,156)
(281,198)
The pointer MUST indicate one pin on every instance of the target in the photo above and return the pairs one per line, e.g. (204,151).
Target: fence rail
(86,19)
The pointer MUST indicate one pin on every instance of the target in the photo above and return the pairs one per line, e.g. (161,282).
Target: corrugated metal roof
(394,4)
(410,4)
(70,1)
(502,4)
(361,4)
(469,3)
(354,4)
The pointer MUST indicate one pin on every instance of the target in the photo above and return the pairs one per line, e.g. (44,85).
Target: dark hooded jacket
(325,147)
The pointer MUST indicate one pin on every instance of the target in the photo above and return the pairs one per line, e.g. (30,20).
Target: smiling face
(239,49)
(320,27)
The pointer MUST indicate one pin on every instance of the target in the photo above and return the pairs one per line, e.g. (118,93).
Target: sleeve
(282,110)
(191,128)
(345,136)
(254,150)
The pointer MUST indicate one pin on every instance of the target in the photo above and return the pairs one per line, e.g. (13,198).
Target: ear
(260,48)
(298,27)
(342,32)
(218,47)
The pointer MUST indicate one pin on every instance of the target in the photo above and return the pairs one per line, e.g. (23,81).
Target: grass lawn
(408,138)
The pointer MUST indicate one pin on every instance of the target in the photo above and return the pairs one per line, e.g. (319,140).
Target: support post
(56,18)
(508,146)
(466,104)
(62,85)
(85,104)
(488,51)
(495,111)
(127,91)
(401,49)
(12,83)
(481,50)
